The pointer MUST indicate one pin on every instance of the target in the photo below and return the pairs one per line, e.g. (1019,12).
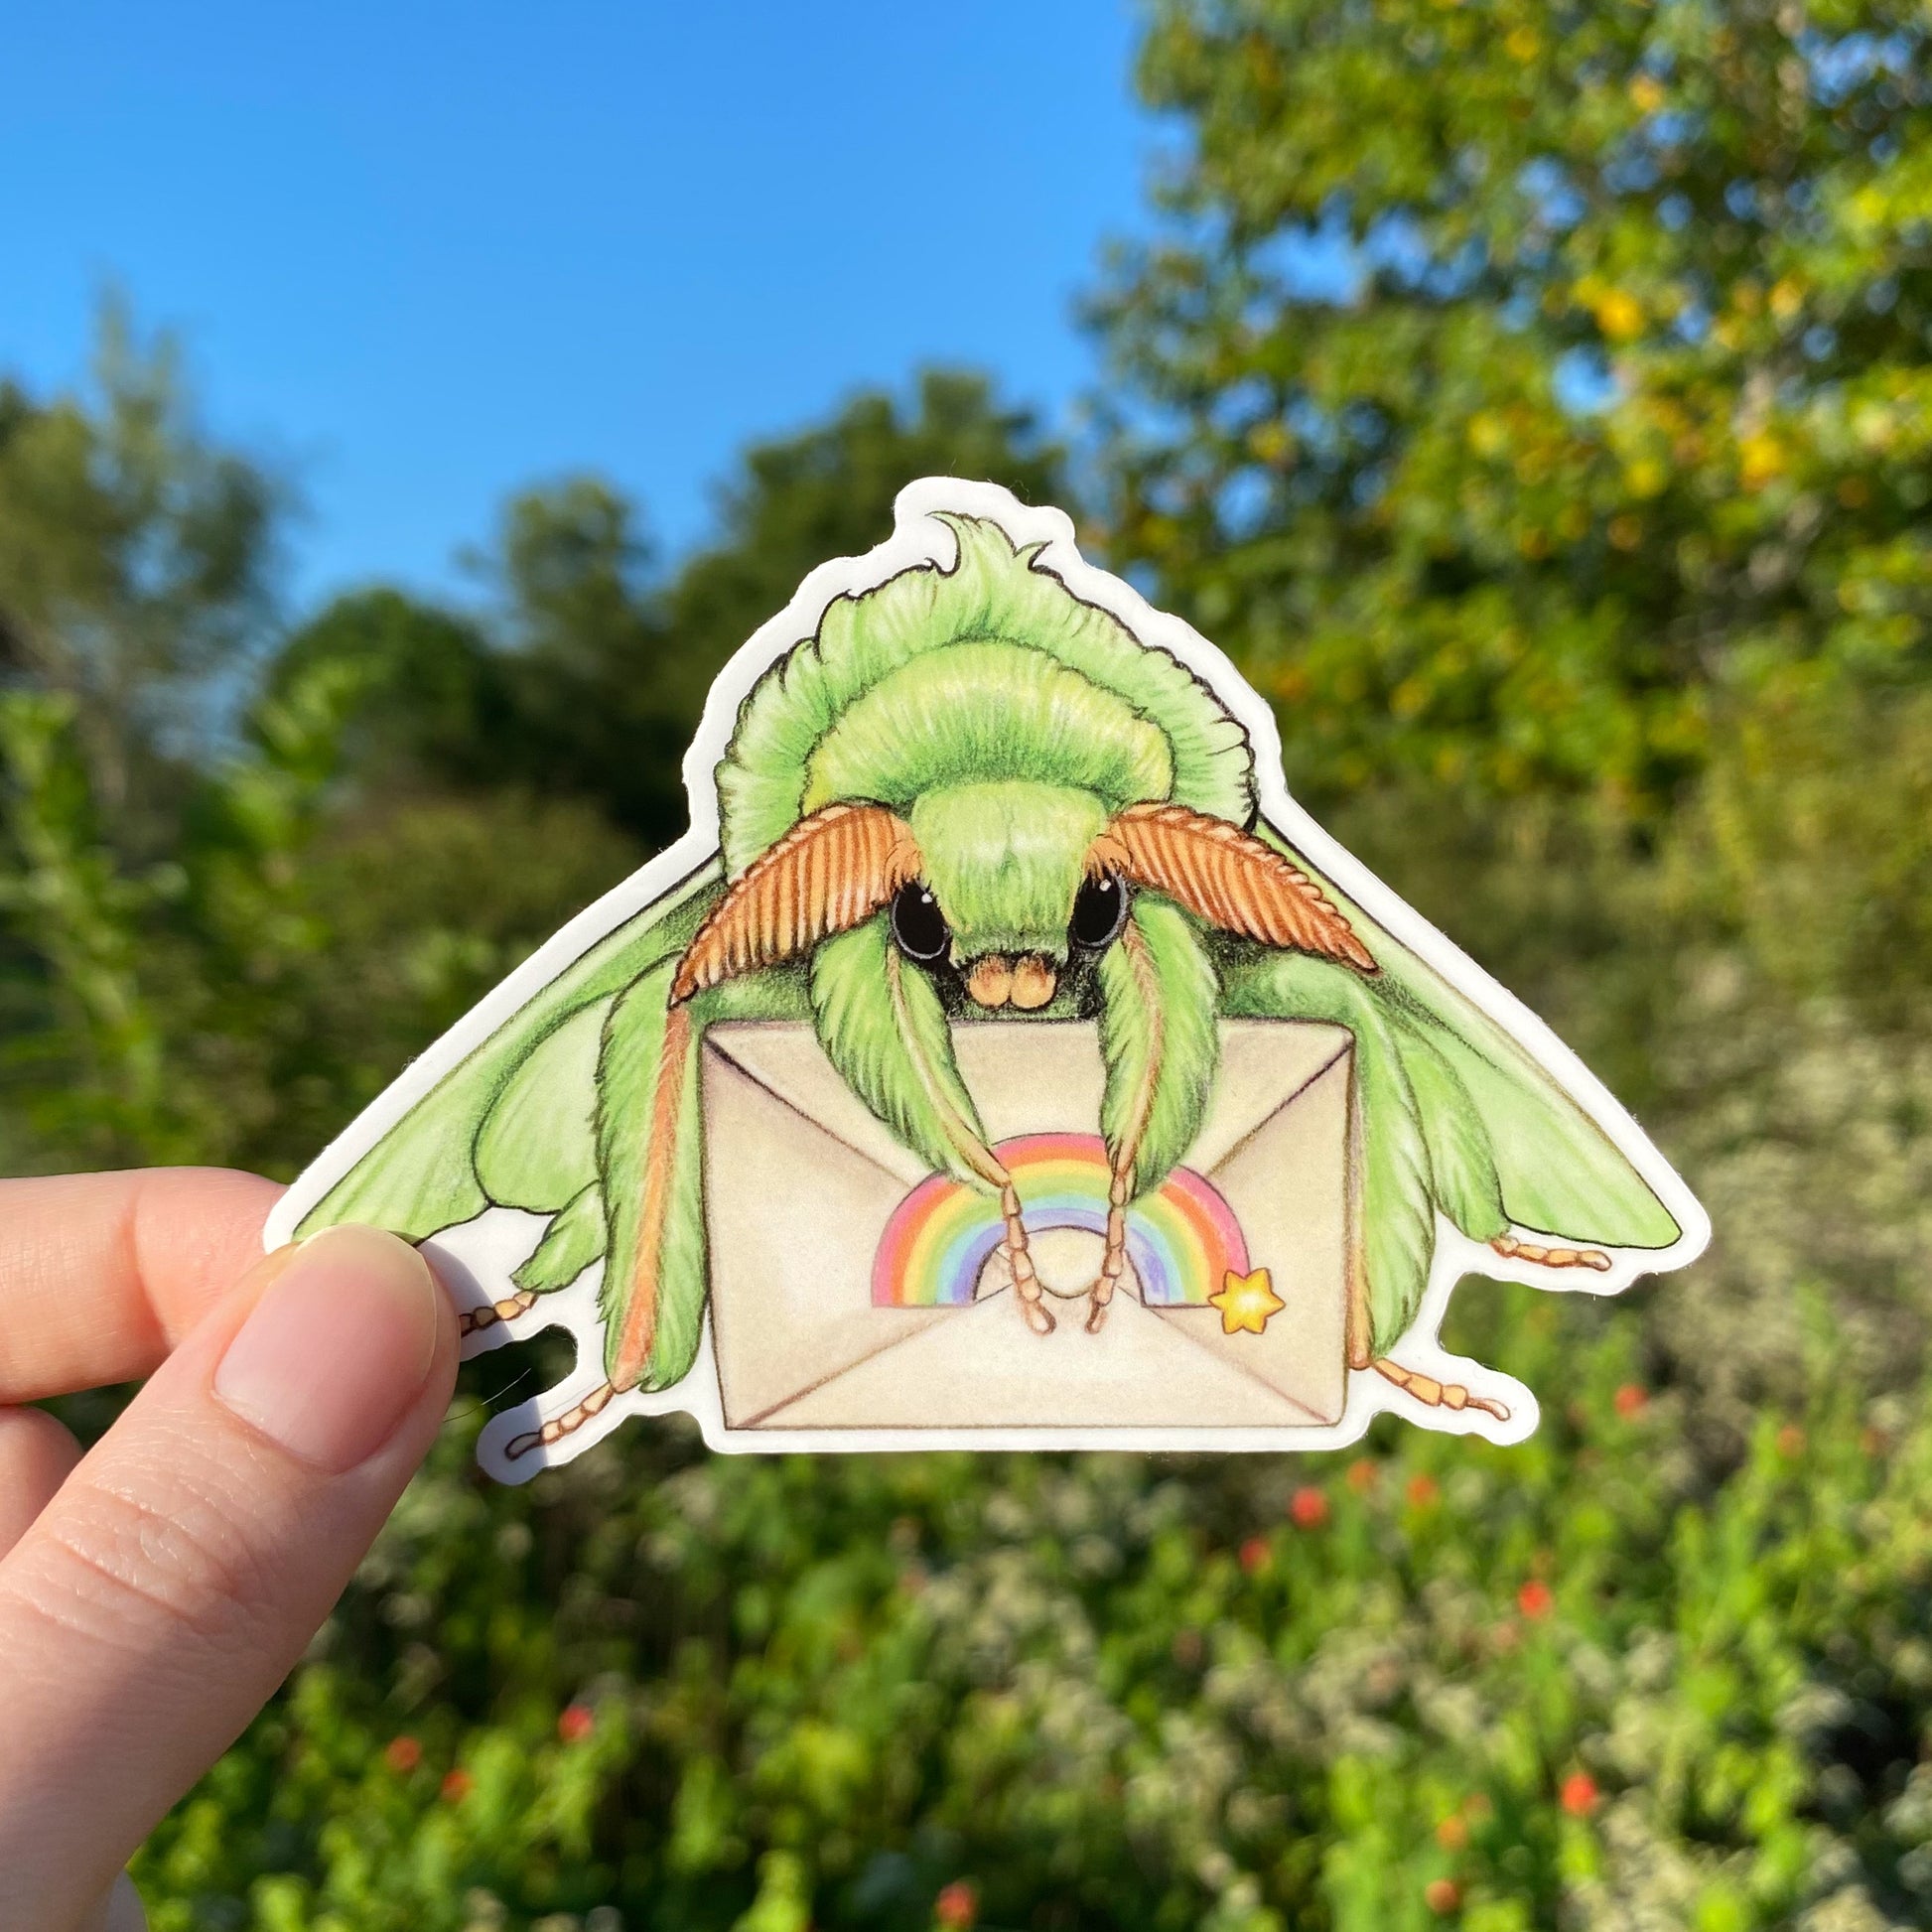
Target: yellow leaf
(1646,476)
(1620,315)
(1760,460)
(1487,433)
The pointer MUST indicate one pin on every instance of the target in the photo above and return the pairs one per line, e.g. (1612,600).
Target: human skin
(155,1592)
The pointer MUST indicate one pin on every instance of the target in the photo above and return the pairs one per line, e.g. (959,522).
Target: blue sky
(422,253)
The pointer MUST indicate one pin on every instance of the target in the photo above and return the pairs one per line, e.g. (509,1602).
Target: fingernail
(334,1353)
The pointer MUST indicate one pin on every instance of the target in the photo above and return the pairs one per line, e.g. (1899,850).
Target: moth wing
(1561,1172)
(512,1123)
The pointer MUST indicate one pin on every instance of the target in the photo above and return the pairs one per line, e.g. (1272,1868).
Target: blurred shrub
(1563,1679)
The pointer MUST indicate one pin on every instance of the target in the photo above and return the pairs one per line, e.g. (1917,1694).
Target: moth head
(1008,884)
(1005,864)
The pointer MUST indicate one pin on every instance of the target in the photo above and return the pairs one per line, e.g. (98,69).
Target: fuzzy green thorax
(982,712)
(1005,861)
(868,709)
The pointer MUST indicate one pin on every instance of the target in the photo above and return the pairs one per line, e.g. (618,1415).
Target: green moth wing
(512,1123)
(1396,1220)
(1559,1170)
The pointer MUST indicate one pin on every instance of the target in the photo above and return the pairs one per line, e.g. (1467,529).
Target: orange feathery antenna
(827,873)
(1226,877)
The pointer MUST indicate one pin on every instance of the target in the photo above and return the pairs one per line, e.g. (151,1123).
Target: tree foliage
(134,556)
(1519,387)
(587,670)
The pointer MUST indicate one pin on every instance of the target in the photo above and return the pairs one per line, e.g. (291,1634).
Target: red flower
(576,1723)
(1452,1833)
(1631,1400)
(1535,1599)
(1422,1491)
(1442,1895)
(1309,1507)
(402,1754)
(1791,1441)
(457,1786)
(1579,1794)
(958,1905)
(1362,1474)
(1255,1554)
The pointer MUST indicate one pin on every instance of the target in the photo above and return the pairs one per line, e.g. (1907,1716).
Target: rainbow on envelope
(1183,1239)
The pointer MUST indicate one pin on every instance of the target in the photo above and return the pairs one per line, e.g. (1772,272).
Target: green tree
(227,914)
(597,707)
(828,492)
(433,702)
(597,661)
(1514,387)
(135,563)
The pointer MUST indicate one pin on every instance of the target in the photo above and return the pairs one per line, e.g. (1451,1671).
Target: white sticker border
(470,1258)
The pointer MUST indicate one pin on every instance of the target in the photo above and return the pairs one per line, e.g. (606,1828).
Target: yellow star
(1246,1301)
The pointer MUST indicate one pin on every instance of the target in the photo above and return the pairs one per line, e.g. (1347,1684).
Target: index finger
(100,1274)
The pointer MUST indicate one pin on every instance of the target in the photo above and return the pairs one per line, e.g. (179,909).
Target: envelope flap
(1037,1076)
(787,1060)
(1266,1065)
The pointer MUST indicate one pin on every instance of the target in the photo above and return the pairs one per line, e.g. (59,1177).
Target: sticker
(1002,1060)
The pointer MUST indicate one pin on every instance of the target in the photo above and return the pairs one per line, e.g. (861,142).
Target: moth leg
(1016,1252)
(883,1027)
(1019,1258)
(1159,1041)
(573,1240)
(1512,1249)
(1113,1256)
(558,1427)
(1437,1395)
(1125,1147)
(474,1321)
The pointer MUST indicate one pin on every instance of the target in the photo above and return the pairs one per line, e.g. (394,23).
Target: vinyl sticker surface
(1001,1059)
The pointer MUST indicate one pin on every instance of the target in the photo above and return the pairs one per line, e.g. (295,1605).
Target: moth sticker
(1001,1059)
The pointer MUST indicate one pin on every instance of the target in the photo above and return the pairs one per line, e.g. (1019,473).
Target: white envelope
(801,1182)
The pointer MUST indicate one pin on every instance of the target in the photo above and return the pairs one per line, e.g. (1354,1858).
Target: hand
(154,1593)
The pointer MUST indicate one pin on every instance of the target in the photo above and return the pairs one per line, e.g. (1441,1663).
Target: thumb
(169,1587)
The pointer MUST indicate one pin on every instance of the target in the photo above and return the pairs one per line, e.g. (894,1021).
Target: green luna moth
(971,777)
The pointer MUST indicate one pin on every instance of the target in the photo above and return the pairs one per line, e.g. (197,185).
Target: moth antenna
(1228,878)
(829,873)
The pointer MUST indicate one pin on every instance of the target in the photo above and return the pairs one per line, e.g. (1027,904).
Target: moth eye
(918,926)
(1099,913)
